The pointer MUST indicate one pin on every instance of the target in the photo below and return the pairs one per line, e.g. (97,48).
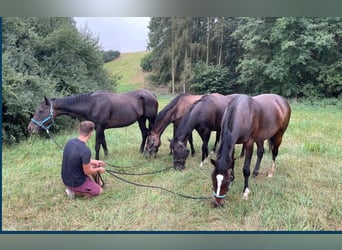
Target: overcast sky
(125,34)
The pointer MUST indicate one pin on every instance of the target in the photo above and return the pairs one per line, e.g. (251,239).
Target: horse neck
(76,109)
(185,127)
(162,121)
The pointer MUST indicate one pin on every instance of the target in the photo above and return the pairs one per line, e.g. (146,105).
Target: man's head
(86,127)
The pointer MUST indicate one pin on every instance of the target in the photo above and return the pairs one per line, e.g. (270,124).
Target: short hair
(86,127)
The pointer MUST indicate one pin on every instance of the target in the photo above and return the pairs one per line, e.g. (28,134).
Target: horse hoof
(270,175)
(245,194)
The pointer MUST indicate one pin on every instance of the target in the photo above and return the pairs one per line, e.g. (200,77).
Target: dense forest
(294,57)
(45,56)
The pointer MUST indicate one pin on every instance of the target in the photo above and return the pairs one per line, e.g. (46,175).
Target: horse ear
(47,101)
(213,162)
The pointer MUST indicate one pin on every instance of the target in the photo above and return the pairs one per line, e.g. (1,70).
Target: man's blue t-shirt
(75,154)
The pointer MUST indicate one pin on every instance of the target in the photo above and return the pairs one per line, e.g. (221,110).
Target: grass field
(305,193)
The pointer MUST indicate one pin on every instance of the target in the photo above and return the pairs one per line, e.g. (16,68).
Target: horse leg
(246,168)
(274,142)
(242,154)
(144,133)
(191,145)
(104,145)
(260,154)
(98,141)
(217,139)
(205,138)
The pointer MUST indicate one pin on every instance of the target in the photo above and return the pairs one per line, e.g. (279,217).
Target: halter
(224,195)
(219,196)
(41,123)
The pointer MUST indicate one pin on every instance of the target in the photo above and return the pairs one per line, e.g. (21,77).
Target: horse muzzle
(32,128)
(179,164)
(219,202)
(219,199)
(151,151)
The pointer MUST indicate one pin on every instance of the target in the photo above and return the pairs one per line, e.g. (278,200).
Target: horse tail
(150,107)
(231,110)
(226,137)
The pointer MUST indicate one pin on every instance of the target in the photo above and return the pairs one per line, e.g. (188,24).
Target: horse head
(180,153)
(222,181)
(152,144)
(43,118)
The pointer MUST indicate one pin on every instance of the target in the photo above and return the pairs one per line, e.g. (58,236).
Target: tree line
(294,57)
(46,56)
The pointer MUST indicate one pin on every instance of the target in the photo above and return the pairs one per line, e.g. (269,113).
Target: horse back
(206,113)
(212,106)
(183,104)
(117,110)
(276,110)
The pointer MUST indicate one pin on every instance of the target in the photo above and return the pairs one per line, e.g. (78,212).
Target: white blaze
(219,179)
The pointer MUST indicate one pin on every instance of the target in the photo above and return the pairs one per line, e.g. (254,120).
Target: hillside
(128,66)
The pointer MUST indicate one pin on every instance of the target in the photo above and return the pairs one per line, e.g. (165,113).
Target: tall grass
(305,193)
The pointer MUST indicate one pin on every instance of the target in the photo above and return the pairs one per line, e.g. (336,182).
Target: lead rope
(125,173)
(157,187)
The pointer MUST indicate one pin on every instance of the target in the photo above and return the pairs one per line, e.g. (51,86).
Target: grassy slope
(303,195)
(128,67)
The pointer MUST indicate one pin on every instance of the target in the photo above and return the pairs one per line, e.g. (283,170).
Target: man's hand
(97,163)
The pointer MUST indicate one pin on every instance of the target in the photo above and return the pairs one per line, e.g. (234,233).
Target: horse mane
(168,107)
(226,139)
(73,99)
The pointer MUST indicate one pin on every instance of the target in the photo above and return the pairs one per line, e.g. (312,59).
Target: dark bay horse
(247,120)
(171,113)
(105,109)
(204,116)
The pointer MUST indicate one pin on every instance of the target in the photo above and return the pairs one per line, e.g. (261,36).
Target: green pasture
(127,66)
(305,193)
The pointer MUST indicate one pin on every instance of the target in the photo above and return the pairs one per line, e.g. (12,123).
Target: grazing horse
(105,109)
(247,120)
(171,113)
(205,116)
